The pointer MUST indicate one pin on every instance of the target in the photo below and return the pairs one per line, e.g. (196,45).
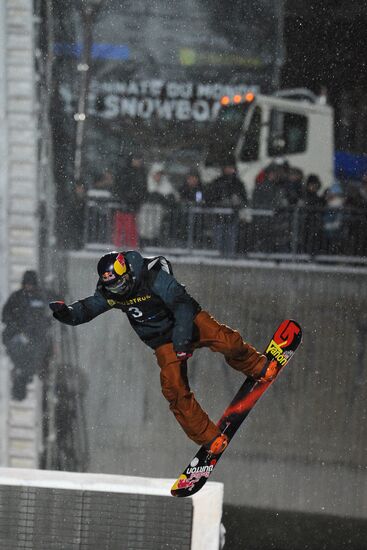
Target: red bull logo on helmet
(120,265)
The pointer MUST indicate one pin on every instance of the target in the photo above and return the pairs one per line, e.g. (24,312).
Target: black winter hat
(30,277)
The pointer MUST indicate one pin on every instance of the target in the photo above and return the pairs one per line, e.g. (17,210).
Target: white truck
(294,125)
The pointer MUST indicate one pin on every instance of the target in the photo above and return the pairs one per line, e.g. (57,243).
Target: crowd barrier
(293,231)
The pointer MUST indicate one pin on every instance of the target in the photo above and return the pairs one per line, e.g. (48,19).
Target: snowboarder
(172,323)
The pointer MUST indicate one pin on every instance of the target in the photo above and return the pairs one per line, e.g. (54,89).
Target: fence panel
(228,232)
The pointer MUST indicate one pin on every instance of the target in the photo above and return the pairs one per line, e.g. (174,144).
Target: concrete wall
(304,446)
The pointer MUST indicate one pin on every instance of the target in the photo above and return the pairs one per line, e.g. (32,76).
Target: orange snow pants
(174,382)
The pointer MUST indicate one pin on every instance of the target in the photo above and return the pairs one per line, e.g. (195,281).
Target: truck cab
(255,130)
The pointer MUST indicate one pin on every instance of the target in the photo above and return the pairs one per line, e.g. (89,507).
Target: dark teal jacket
(158,307)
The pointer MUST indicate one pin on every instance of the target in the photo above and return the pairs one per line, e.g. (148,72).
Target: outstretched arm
(81,311)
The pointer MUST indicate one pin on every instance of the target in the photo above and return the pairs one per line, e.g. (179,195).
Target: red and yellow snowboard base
(281,348)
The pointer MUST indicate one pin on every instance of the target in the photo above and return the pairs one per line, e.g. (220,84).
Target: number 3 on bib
(135,312)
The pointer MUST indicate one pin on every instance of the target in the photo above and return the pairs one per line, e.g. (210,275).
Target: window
(287,133)
(251,144)
(225,133)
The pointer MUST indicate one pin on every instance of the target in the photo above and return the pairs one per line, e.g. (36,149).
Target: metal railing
(297,232)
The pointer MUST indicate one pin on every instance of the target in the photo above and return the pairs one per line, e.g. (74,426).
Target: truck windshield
(225,132)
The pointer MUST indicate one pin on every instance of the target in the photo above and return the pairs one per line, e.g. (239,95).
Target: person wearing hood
(356,217)
(26,334)
(158,182)
(311,216)
(155,215)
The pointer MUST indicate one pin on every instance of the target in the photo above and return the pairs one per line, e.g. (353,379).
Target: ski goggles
(117,285)
(121,286)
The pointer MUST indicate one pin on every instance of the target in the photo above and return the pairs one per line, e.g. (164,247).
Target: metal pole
(88,13)
(80,116)
(295,231)
(190,229)
(280,53)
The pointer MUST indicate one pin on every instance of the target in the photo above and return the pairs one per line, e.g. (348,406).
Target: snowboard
(281,348)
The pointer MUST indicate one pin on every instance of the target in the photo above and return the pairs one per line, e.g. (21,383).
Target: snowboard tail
(281,348)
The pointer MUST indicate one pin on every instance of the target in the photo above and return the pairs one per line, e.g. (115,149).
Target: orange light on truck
(249,97)
(237,98)
(225,100)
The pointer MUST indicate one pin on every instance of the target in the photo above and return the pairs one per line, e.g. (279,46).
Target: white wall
(18,166)
(22,140)
(3,220)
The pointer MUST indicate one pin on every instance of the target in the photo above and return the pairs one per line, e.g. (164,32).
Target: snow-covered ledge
(207,504)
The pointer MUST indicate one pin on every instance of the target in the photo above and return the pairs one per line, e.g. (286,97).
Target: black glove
(61,312)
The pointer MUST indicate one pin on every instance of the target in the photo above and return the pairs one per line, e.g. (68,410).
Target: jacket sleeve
(8,310)
(183,307)
(83,311)
(12,316)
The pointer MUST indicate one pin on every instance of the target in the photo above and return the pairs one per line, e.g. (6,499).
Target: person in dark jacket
(356,218)
(227,191)
(311,216)
(26,334)
(168,320)
(188,220)
(192,190)
(131,183)
(130,191)
(269,194)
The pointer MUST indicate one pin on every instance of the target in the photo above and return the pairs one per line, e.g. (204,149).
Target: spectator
(26,334)
(269,195)
(104,182)
(158,182)
(131,185)
(280,165)
(227,191)
(192,190)
(191,223)
(130,190)
(356,218)
(312,215)
(333,219)
(269,192)
(294,186)
(311,195)
(290,181)
(154,218)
